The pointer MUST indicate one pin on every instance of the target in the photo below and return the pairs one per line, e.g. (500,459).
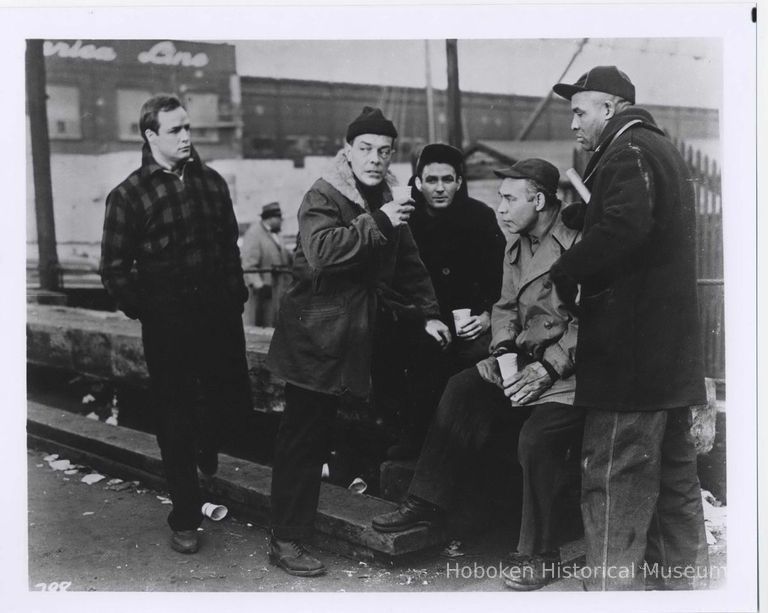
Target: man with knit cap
(462,246)
(640,358)
(355,260)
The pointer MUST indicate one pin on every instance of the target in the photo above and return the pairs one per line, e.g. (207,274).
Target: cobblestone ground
(112,536)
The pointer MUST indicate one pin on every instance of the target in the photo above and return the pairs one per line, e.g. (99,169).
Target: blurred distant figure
(263,248)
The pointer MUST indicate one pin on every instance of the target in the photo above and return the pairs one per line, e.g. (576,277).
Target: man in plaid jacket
(169,257)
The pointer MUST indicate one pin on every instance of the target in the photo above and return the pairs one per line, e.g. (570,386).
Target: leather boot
(294,559)
(412,512)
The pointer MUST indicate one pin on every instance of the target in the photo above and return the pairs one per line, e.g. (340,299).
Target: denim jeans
(641,501)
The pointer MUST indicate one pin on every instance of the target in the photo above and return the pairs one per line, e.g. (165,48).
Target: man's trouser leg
(677,538)
(461,425)
(626,464)
(170,351)
(545,439)
(301,448)
(224,380)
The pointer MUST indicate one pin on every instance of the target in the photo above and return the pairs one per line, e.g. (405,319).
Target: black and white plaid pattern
(179,232)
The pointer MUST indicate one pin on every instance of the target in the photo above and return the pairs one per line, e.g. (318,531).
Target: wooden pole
(430,95)
(41,166)
(455,136)
(545,100)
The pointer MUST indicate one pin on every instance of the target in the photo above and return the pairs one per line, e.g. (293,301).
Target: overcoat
(639,346)
(531,314)
(346,256)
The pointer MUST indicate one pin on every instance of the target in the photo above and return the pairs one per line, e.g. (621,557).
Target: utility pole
(48,264)
(545,100)
(455,137)
(430,95)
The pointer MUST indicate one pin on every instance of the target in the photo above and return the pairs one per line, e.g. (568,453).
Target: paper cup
(507,364)
(213,511)
(460,316)
(401,192)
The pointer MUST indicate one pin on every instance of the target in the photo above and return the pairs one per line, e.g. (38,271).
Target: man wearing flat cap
(462,246)
(640,358)
(355,256)
(263,248)
(531,407)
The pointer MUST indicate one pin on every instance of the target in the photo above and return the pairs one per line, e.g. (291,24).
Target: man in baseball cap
(529,408)
(639,346)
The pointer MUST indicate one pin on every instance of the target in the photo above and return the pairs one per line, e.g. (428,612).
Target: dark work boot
(531,572)
(294,559)
(185,541)
(412,512)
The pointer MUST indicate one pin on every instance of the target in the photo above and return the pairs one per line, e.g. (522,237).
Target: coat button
(548,324)
(446,271)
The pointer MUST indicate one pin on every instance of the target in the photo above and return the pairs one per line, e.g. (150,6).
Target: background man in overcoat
(639,352)
(354,245)
(172,219)
(263,247)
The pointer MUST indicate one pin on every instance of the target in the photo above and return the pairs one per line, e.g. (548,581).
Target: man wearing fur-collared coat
(354,253)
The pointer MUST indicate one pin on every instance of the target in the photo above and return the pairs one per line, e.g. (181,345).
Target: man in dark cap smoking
(354,247)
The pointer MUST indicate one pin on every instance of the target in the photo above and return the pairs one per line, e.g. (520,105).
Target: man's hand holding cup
(400,208)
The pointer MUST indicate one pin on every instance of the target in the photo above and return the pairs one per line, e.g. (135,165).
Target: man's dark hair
(150,109)
(438,153)
(534,187)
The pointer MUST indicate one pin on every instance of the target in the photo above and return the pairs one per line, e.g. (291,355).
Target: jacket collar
(559,239)
(149,165)
(340,176)
(631,118)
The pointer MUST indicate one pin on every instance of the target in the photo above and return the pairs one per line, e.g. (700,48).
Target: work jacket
(462,246)
(347,256)
(639,343)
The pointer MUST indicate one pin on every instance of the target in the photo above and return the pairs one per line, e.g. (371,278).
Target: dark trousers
(200,390)
(470,411)
(302,446)
(641,500)
(410,371)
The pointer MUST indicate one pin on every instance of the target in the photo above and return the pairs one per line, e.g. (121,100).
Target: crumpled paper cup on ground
(213,511)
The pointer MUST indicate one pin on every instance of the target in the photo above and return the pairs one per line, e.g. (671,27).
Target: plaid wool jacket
(171,239)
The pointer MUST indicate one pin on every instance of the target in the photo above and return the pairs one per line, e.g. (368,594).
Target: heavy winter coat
(531,313)
(346,256)
(639,346)
(462,248)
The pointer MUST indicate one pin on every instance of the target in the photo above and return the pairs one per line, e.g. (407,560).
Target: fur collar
(340,176)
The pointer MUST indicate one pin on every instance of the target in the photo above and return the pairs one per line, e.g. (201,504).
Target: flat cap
(541,171)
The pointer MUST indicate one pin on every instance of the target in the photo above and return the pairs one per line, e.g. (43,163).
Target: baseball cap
(607,79)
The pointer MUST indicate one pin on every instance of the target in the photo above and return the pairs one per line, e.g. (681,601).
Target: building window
(64,112)
(203,109)
(129,103)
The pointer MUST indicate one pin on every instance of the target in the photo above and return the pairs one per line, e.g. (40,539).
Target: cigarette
(578,184)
